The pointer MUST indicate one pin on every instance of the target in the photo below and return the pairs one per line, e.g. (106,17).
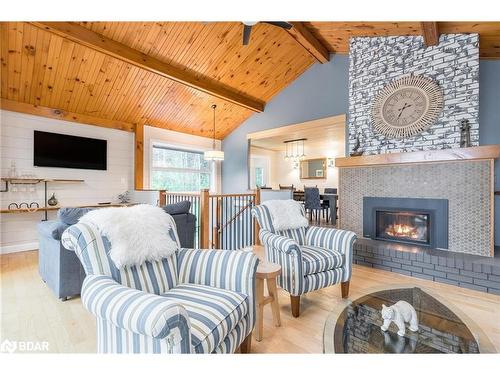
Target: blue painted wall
(322,91)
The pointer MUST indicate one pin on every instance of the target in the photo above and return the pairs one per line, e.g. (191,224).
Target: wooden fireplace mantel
(488,152)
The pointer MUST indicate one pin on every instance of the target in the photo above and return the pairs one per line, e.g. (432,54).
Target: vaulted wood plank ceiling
(335,35)
(43,72)
(44,69)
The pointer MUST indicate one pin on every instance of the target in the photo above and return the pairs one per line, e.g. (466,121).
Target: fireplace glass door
(406,226)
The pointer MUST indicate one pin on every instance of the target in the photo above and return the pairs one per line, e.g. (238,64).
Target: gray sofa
(60,268)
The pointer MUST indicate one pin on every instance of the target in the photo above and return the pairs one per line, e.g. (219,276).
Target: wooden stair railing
(216,217)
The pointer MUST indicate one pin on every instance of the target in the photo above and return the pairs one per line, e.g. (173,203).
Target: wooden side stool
(268,272)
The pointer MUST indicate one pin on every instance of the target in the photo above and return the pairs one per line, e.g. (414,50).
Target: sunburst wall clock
(407,106)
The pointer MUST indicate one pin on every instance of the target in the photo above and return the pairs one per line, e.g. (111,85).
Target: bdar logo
(8,346)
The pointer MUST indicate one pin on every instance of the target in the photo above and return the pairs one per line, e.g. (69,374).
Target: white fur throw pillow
(137,234)
(286,214)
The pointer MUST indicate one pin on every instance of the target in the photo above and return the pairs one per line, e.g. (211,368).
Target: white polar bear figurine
(400,313)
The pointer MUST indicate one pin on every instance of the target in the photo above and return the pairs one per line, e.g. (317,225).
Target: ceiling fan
(247,28)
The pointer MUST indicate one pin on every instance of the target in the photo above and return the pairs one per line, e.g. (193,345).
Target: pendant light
(295,150)
(214,154)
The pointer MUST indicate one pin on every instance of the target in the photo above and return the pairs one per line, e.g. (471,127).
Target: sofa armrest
(284,244)
(52,229)
(136,311)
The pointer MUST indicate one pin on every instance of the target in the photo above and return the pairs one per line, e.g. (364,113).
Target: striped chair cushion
(93,251)
(263,216)
(298,234)
(151,277)
(213,313)
(155,277)
(316,259)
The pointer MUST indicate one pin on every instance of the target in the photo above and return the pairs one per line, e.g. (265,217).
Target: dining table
(330,198)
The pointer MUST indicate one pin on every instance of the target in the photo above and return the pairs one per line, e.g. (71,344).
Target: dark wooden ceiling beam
(89,38)
(307,40)
(430,32)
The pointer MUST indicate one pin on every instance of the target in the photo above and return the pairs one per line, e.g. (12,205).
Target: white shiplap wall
(18,231)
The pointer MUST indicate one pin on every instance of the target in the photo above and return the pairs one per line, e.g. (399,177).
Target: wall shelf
(34,181)
(55,208)
(488,152)
(18,180)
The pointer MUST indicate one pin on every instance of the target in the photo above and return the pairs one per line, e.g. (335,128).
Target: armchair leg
(246,345)
(295,301)
(344,288)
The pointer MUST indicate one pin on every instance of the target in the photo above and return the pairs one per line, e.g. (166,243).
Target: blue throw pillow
(71,215)
(177,208)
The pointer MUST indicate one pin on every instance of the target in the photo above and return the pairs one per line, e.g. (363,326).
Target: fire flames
(402,230)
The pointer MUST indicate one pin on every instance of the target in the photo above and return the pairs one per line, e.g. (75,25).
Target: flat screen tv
(69,151)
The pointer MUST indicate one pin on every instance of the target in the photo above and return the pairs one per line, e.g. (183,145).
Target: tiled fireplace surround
(468,261)
(465,184)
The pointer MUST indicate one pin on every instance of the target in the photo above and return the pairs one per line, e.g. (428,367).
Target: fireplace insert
(418,221)
(401,226)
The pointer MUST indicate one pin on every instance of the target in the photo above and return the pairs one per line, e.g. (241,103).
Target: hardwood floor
(31,312)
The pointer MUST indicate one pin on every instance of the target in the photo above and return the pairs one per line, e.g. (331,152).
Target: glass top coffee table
(355,326)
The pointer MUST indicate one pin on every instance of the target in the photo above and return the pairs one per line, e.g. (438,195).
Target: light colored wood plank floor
(29,310)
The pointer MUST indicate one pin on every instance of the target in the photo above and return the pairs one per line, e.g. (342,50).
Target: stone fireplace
(387,195)
(414,221)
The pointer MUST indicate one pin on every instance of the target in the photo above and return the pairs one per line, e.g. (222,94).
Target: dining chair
(313,202)
(327,203)
(305,187)
(286,187)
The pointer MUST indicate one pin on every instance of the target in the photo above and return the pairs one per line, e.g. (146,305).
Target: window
(259,171)
(179,170)
(259,177)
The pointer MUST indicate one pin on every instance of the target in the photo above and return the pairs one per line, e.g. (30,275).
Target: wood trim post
(218,224)
(162,198)
(204,219)
(430,32)
(255,223)
(139,157)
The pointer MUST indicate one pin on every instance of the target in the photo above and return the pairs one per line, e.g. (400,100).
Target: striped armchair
(196,301)
(311,258)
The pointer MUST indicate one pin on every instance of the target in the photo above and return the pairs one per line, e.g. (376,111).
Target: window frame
(266,169)
(262,169)
(152,168)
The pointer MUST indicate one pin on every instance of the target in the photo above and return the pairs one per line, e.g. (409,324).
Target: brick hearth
(464,270)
